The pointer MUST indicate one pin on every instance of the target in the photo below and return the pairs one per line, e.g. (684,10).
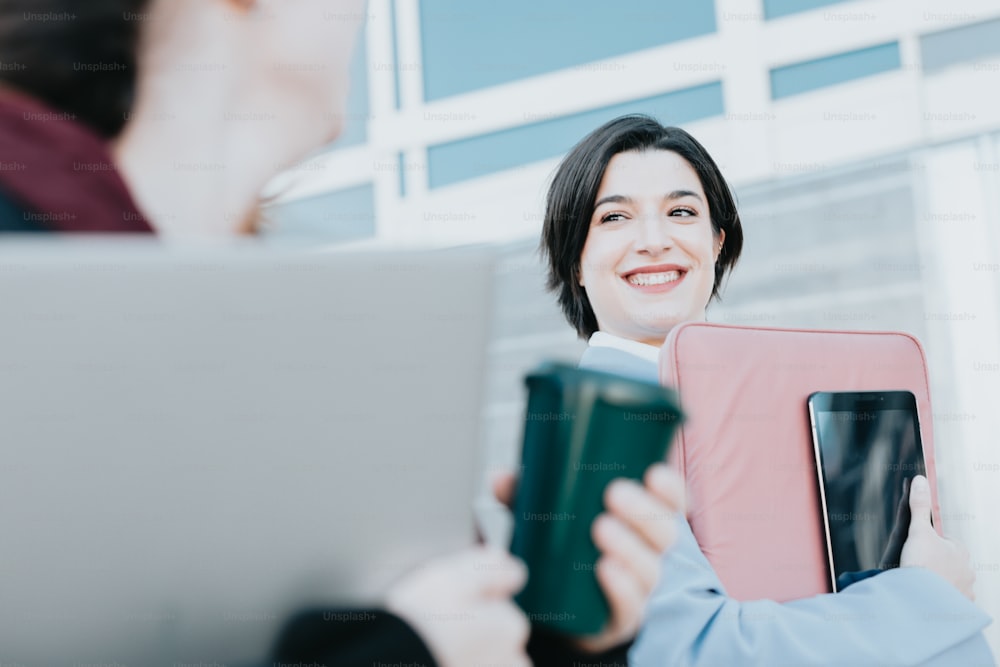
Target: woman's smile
(655,279)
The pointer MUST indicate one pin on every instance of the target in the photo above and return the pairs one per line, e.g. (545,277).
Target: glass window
(774,9)
(831,70)
(340,215)
(485,154)
(468,46)
(939,50)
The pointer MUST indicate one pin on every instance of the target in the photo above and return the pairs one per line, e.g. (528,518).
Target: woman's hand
(925,548)
(638,526)
(461,607)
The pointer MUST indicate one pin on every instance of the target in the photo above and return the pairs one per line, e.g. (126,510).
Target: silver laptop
(195,444)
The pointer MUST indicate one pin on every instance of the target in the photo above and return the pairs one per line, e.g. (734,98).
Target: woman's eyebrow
(670,196)
(613,199)
(677,194)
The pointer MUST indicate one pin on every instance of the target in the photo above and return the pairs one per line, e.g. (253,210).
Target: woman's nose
(653,234)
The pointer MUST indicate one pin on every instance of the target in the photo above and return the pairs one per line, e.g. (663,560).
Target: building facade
(862,140)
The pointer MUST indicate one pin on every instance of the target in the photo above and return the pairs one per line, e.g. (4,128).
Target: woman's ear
(722,242)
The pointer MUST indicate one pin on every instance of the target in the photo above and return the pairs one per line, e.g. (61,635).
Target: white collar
(641,350)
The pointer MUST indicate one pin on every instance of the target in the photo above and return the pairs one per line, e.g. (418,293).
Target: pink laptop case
(746,448)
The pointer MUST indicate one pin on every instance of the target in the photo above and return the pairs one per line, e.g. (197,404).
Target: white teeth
(644,279)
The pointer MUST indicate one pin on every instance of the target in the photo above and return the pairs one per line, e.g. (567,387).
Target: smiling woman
(640,230)
(640,226)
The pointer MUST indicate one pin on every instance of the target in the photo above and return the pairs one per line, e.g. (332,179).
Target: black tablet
(868,449)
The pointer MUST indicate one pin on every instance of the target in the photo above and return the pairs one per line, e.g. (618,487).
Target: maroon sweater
(57,175)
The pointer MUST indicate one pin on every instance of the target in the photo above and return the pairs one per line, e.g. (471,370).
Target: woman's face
(649,260)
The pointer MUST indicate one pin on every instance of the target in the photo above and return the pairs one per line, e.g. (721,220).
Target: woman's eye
(612,217)
(683,212)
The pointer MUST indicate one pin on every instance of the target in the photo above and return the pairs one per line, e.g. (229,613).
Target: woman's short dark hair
(570,205)
(79,57)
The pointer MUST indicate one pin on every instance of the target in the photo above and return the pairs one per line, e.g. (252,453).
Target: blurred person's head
(77,57)
(230,92)
(640,229)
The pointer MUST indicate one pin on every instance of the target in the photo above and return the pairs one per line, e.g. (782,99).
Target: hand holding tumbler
(582,430)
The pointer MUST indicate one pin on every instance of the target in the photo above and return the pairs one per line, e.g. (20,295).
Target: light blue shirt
(907,616)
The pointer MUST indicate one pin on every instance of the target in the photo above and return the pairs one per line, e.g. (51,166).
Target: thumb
(920,504)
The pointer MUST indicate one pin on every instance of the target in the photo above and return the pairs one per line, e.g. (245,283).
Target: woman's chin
(662,323)
(662,326)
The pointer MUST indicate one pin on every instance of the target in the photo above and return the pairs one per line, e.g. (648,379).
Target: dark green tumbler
(582,430)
